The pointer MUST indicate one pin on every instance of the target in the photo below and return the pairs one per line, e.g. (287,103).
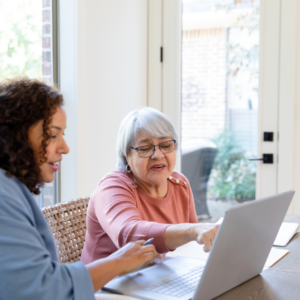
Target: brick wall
(47,40)
(203,83)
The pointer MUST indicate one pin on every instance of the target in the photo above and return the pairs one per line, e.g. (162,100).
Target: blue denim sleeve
(28,269)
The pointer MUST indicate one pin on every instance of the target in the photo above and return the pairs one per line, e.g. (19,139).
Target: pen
(148,242)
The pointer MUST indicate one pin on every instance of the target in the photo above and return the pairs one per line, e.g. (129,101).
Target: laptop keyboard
(180,285)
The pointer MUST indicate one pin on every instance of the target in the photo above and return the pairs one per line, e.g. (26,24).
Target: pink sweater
(119,212)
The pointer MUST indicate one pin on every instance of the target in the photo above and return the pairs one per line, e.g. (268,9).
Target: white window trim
(164,79)
(68,86)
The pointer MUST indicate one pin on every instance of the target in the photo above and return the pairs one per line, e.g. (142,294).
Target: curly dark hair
(23,103)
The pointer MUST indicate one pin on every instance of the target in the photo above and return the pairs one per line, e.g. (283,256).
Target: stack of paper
(285,233)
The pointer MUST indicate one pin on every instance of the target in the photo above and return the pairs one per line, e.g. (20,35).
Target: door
(261,116)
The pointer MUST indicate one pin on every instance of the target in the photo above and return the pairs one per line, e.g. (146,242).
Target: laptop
(239,253)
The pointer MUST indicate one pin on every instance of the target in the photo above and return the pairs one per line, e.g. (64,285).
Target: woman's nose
(157,153)
(64,147)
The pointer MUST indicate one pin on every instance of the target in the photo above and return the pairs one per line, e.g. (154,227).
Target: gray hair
(147,120)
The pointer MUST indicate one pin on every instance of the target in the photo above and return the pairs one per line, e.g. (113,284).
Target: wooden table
(281,281)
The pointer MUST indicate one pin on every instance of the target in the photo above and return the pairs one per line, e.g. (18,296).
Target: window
(26,49)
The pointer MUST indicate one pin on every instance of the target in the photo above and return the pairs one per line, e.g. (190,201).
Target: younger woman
(32,124)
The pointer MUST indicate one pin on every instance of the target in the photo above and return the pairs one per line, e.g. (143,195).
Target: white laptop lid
(242,244)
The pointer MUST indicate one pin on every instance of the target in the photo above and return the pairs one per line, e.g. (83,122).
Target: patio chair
(196,164)
(67,221)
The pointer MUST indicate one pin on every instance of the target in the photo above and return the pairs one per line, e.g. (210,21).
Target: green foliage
(233,175)
(20,38)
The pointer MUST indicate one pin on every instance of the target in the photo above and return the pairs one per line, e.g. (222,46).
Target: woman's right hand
(134,255)
(205,234)
(127,259)
(179,234)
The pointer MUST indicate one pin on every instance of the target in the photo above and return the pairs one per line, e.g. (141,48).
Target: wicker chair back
(67,221)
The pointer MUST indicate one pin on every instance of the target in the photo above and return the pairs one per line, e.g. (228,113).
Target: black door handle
(266,159)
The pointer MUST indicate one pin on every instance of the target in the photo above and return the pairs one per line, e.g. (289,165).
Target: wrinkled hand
(134,255)
(206,234)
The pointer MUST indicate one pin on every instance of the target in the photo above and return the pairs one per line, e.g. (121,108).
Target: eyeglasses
(148,150)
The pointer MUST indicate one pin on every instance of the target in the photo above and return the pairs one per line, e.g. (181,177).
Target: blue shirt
(29,264)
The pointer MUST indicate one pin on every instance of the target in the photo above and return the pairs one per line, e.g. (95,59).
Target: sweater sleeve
(116,209)
(28,270)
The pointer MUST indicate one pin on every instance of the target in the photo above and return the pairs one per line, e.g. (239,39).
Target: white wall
(103,55)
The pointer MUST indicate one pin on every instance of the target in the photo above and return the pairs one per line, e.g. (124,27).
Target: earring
(128,168)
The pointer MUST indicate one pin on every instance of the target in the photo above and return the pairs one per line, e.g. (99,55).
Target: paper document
(101,296)
(285,233)
(194,250)
(275,256)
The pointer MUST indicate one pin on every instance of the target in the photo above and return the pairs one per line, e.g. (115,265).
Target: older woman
(144,197)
